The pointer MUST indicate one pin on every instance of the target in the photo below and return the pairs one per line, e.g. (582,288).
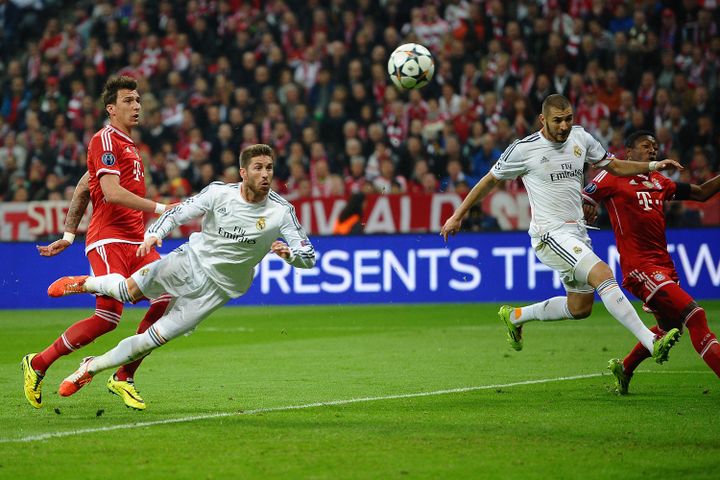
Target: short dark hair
(632,139)
(555,101)
(115,83)
(253,151)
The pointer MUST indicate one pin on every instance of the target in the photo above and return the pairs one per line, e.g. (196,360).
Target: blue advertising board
(471,267)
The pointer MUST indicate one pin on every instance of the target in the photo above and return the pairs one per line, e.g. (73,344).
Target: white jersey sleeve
(596,156)
(511,163)
(302,253)
(190,208)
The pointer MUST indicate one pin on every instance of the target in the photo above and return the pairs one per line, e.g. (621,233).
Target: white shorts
(568,251)
(195,296)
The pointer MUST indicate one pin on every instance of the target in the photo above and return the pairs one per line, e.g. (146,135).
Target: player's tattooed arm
(78,205)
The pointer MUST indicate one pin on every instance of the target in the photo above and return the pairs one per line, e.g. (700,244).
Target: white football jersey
(236,235)
(552,174)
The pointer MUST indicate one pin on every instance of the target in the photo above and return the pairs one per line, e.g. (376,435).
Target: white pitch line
(330,403)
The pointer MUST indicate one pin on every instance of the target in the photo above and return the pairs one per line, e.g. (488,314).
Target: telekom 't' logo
(137,170)
(644,199)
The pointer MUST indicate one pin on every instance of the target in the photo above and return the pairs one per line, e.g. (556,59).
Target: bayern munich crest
(108,159)
(659,277)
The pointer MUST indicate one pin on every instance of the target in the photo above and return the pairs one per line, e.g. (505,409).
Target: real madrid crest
(577,249)
(577,151)
(260,224)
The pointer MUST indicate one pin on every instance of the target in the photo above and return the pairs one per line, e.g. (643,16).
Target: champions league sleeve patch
(108,159)
(591,187)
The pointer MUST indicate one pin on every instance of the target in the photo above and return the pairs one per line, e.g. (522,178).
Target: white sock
(113,285)
(129,349)
(550,310)
(620,307)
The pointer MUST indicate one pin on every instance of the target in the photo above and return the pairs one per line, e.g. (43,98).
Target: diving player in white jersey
(242,224)
(550,163)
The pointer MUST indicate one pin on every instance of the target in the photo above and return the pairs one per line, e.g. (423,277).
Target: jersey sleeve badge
(590,188)
(108,159)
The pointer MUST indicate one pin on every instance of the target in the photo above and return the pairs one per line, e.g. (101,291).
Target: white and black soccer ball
(411,66)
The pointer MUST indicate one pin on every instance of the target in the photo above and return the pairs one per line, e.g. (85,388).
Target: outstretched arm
(628,168)
(299,251)
(177,214)
(478,192)
(117,194)
(702,193)
(78,205)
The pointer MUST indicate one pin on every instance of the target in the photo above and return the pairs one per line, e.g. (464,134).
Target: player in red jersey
(636,209)
(115,183)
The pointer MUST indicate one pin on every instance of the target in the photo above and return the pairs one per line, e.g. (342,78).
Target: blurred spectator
(478,221)
(356,178)
(485,157)
(387,181)
(12,149)
(591,111)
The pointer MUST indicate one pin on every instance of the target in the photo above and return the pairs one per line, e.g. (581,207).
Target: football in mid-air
(411,66)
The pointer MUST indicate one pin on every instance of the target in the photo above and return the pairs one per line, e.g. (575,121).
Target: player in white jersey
(550,163)
(242,224)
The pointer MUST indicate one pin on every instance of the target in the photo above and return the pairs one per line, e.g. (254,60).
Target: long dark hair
(354,206)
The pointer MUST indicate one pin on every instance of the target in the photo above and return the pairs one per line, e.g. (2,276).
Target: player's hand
(451,227)
(590,212)
(53,249)
(148,245)
(668,164)
(280,249)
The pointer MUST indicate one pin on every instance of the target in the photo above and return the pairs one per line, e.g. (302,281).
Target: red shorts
(659,289)
(118,258)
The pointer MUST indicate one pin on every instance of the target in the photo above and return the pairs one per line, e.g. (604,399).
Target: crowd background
(309,78)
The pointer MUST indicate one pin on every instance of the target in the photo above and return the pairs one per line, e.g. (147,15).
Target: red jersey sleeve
(102,157)
(601,187)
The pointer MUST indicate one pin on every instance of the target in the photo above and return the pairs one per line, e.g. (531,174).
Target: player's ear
(110,108)
(542,119)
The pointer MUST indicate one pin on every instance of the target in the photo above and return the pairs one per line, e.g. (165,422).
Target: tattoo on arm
(78,205)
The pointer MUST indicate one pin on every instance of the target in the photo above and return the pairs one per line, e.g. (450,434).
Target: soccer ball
(411,66)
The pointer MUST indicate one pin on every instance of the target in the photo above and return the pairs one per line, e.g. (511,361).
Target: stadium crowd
(310,79)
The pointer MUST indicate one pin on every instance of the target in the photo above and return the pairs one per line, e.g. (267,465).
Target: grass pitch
(429,391)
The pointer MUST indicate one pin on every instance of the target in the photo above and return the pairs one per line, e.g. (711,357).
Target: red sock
(76,336)
(704,341)
(156,310)
(639,353)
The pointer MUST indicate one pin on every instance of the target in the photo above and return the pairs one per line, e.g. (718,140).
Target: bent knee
(581,312)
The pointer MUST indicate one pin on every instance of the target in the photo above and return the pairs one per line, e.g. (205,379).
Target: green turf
(246,361)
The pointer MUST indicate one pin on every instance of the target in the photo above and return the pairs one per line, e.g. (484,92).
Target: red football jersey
(111,152)
(635,206)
